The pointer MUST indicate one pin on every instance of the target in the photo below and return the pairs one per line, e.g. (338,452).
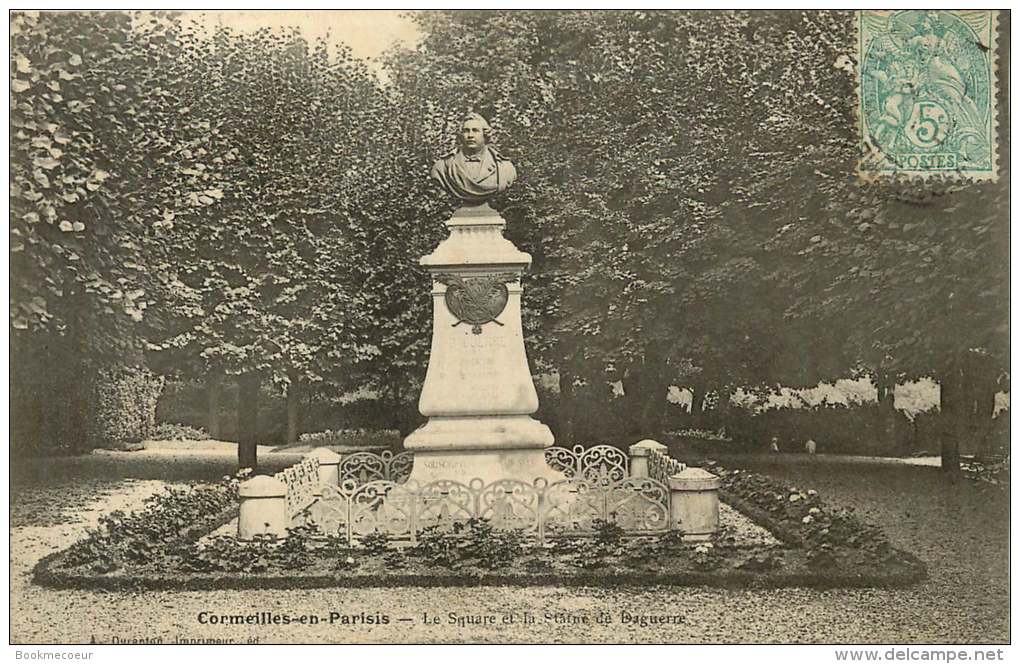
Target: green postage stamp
(926,89)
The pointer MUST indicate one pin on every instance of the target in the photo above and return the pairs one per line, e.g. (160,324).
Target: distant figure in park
(475,171)
(810,446)
(774,445)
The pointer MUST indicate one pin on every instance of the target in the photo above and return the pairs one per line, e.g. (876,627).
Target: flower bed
(830,539)
(159,549)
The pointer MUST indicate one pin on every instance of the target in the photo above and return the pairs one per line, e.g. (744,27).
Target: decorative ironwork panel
(601,463)
(567,507)
(511,504)
(382,507)
(571,507)
(364,467)
(662,466)
(329,512)
(638,505)
(400,466)
(445,502)
(302,480)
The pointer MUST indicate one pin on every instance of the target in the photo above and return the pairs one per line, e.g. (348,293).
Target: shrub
(146,536)
(490,547)
(436,547)
(172,431)
(804,517)
(837,428)
(352,438)
(592,552)
(123,406)
(226,554)
(473,541)
(608,533)
(395,559)
(375,543)
(762,562)
(706,557)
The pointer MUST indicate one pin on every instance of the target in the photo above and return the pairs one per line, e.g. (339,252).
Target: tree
(80,93)
(688,191)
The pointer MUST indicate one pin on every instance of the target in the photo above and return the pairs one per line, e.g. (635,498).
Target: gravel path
(960,531)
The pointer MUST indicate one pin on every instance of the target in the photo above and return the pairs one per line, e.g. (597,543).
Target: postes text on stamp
(926,86)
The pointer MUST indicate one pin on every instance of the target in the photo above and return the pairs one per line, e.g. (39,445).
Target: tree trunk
(697,413)
(953,415)
(213,386)
(293,410)
(885,382)
(632,403)
(248,420)
(81,379)
(697,402)
(567,409)
(645,386)
(653,414)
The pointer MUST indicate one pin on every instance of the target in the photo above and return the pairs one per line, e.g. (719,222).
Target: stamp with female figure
(926,90)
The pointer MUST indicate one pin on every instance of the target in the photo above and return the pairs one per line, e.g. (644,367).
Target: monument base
(490,447)
(481,432)
(488,465)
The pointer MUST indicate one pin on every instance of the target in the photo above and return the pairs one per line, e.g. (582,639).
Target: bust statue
(475,171)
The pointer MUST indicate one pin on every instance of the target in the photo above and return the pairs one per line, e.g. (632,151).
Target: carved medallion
(476,300)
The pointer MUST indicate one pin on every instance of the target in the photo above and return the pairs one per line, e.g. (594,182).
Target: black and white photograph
(510,326)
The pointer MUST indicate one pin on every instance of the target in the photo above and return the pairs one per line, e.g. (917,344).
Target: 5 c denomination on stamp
(926,86)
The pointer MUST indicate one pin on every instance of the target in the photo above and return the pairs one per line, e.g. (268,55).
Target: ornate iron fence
(567,507)
(661,466)
(365,467)
(302,479)
(601,463)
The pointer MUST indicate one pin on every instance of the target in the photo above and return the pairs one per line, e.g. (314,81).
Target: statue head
(475,133)
(474,173)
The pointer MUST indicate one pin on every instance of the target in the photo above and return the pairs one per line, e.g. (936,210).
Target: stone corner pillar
(639,453)
(694,503)
(329,466)
(263,508)
(478,392)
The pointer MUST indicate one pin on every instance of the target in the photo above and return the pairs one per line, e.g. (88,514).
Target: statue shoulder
(440,165)
(497,155)
(447,156)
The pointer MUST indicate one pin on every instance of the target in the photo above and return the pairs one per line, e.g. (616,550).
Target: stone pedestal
(478,392)
(639,453)
(694,503)
(263,508)
(329,466)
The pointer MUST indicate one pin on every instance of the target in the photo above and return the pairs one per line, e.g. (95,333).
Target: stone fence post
(639,456)
(263,508)
(329,466)
(694,503)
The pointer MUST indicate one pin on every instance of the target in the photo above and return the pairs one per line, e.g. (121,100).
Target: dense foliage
(253,205)
(169,520)
(688,189)
(124,407)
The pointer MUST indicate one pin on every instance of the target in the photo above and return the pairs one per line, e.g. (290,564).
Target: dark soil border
(48,573)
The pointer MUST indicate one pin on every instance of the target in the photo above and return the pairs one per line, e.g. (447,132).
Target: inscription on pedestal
(445,464)
(478,357)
